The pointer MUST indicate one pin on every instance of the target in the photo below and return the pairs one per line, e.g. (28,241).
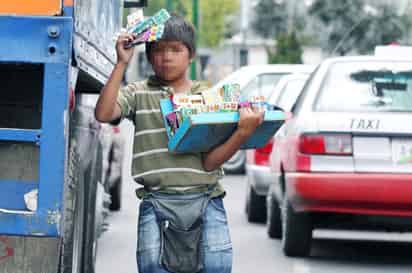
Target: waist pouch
(181,225)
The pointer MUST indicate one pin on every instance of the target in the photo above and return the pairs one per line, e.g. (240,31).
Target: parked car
(258,172)
(253,80)
(345,157)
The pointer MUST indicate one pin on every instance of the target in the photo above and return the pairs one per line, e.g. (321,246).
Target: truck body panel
(29,45)
(96,24)
(30,39)
(34,64)
(31,7)
(51,49)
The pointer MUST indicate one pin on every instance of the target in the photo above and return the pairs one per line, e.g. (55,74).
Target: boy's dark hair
(176,29)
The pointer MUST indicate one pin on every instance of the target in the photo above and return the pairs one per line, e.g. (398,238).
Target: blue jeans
(216,243)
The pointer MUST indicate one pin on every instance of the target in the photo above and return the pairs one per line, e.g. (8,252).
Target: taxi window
(290,93)
(297,106)
(367,87)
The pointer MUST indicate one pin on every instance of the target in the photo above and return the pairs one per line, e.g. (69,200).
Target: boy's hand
(124,55)
(249,120)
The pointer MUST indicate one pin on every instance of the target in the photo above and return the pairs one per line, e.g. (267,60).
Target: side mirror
(135,4)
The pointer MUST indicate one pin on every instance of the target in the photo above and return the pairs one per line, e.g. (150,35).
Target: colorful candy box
(201,132)
(158,19)
(147,30)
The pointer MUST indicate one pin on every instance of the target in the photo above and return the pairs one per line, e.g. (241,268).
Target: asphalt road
(332,252)
(254,252)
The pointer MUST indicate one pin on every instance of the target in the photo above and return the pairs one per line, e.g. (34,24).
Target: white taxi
(346,154)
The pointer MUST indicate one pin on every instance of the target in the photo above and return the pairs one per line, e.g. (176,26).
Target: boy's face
(170,60)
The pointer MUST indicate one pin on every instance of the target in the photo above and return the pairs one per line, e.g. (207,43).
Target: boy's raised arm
(248,122)
(107,109)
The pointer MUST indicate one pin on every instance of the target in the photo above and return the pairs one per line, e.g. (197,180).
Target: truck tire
(274,223)
(116,195)
(94,222)
(74,199)
(255,206)
(296,231)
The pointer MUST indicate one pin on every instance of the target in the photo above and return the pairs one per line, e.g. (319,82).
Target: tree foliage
(288,50)
(338,18)
(178,6)
(273,21)
(213,16)
(154,6)
(353,25)
(384,28)
(271,18)
(215,19)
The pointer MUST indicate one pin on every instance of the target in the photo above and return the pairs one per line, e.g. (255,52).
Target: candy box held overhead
(147,30)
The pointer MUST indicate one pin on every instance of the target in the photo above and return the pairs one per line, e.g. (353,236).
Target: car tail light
(262,154)
(72,100)
(328,144)
(302,163)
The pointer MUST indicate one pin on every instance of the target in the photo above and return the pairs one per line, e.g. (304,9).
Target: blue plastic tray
(201,132)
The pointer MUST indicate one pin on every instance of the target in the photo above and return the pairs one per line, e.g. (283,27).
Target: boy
(182,221)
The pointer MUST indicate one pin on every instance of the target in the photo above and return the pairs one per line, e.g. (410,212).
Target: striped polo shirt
(152,165)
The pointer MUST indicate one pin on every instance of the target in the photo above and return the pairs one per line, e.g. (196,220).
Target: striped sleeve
(127,101)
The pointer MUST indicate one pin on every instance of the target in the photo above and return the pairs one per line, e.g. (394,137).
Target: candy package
(224,99)
(259,103)
(172,121)
(147,30)
(143,24)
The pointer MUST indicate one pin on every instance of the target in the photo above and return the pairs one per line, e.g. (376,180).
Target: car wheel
(255,206)
(274,223)
(235,164)
(296,231)
(116,195)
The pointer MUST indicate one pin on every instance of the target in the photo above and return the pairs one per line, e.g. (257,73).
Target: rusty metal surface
(29,254)
(22,162)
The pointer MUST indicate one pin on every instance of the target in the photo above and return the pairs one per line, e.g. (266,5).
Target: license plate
(402,151)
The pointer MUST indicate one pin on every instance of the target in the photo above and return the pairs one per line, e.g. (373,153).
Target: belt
(176,188)
(141,192)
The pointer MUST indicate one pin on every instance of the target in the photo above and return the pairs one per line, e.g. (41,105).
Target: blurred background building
(247,32)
